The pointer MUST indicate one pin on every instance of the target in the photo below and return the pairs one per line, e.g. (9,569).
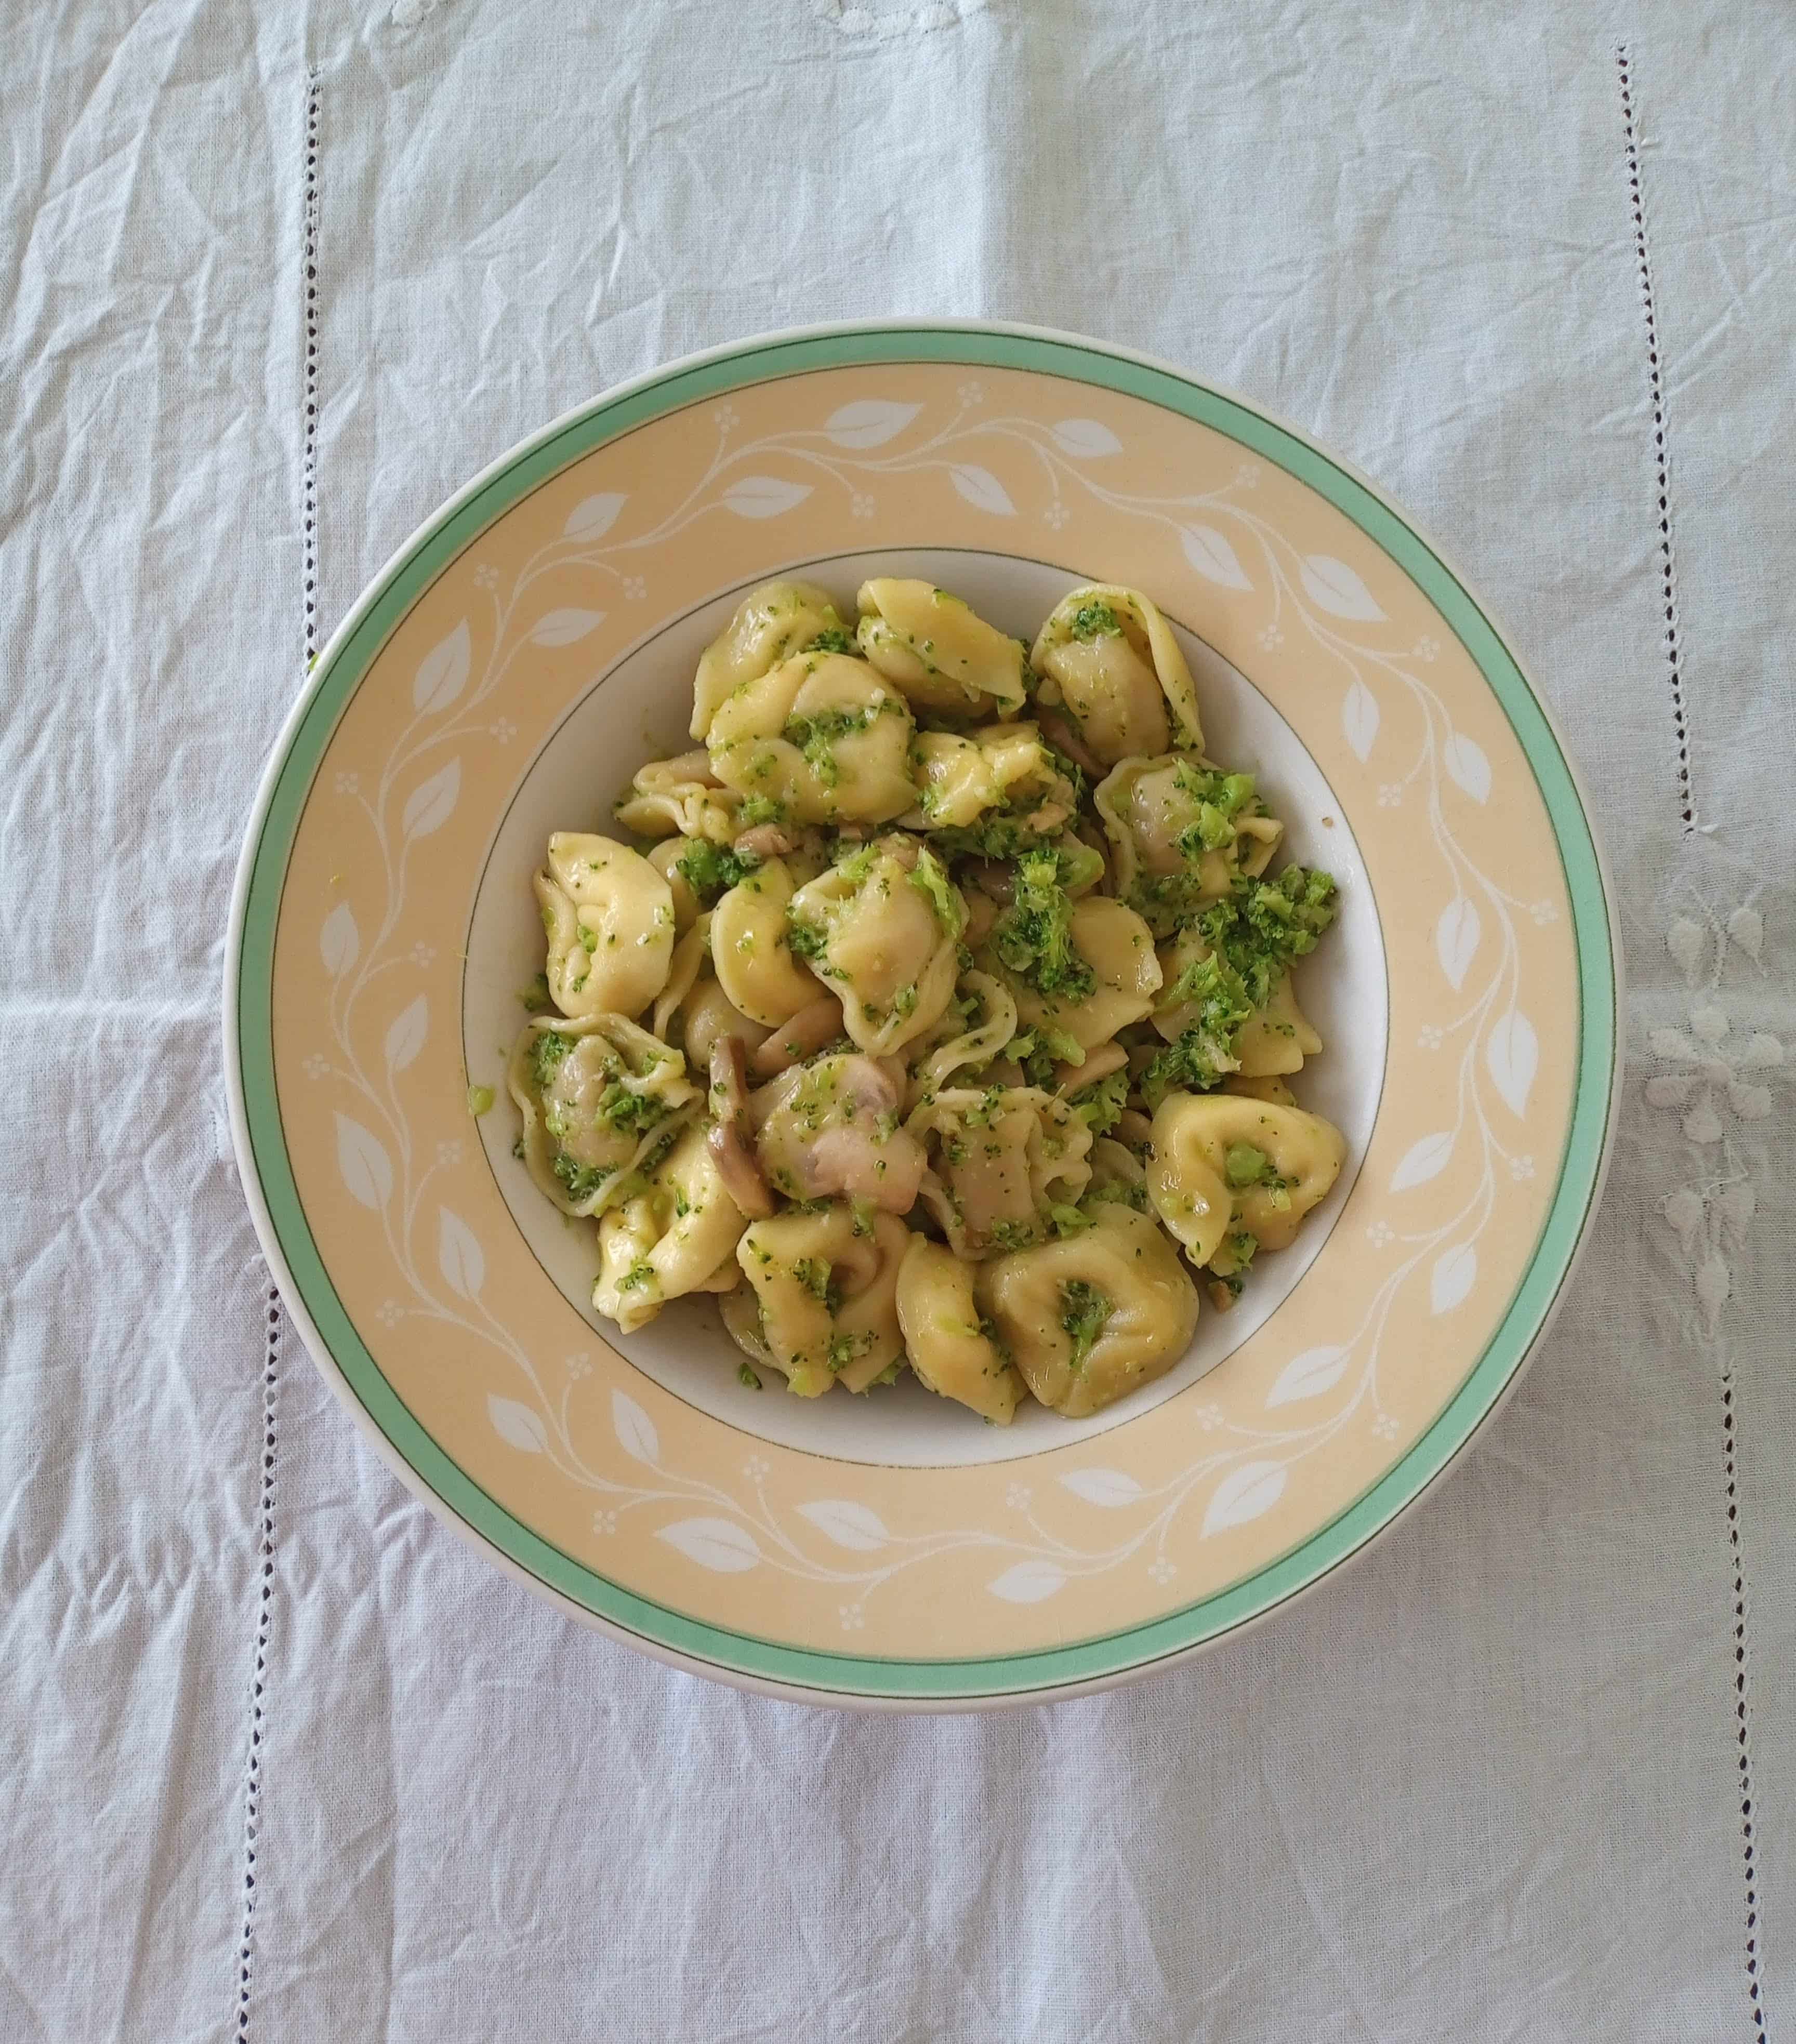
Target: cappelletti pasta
(945,1019)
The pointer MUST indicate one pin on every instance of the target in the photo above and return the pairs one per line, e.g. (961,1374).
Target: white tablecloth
(281,1759)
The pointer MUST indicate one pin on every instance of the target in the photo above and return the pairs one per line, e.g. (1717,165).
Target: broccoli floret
(582,1180)
(930,877)
(1100,1105)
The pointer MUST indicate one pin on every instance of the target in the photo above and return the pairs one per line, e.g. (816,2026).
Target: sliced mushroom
(794,1041)
(1059,732)
(826,1130)
(767,841)
(728,1134)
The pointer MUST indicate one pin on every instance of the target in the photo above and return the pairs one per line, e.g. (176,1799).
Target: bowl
(534,643)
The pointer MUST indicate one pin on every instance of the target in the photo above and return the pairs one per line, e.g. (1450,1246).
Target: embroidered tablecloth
(281,1758)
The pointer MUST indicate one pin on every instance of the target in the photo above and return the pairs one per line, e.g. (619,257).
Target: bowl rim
(1381,1514)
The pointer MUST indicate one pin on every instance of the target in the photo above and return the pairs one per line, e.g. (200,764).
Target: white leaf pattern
(459,1255)
(1747,928)
(717,1544)
(1209,551)
(442,674)
(1713,1282)
(364,1166)
(1455,939)
(764,496)
(1359,720)
(1455,1271)
(1686,943)
(563,628)
(1028,1582)
(1308,1375)
(516,1425)
(1333,586)
(593,516)
(981,489)
(339,943)
(869,422)
(1113,1488)
(635,1430)
(1248,1492)
(1424,1160)
(1085,440)
(406,1038)
(432,802)
(849,1525)
(1512,1055)
(1465,762)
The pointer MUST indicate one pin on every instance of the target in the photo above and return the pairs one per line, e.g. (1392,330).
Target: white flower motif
(1390,795)
(390,1313)
(724,418)
(423,954)
(485,576)
(1713,1067)
(860,504)
(502,731)
(1429,1037)
(635,588)
(1017,1497)
(1544,912)
(605,1521)
(1161,1570)
(971,393)
(1386,1427)
(1057,514)
(578,1364)
(448,1153)
(1247,476)
(854,1618)
(1271,636)
(754,1469)
(347,784)
(315,1067)
(1379,1235)
(1209,1417)
(1521,1169)
(1427,648)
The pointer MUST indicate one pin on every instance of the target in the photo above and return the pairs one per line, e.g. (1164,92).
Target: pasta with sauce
(943,1019)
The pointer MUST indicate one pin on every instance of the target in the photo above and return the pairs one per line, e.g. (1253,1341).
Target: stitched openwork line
(1656,387)
(271,1350)
(1748,1821)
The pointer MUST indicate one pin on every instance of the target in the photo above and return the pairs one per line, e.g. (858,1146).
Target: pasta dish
(945,1020)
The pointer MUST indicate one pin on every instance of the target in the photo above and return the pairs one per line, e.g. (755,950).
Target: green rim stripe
(334,684)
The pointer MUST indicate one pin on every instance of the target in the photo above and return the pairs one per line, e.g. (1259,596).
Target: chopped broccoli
(1220,798)
(1245,1164)
(761,809)
(1100,1105)
(1085,1312)
(834,640)
(930,877)
(712,870)
(805,940)
(546,1054)
(479,1100)
(1034,935)
(582,1180)
(1096,619)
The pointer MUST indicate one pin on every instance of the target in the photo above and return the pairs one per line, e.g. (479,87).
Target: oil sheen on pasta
(942,1017)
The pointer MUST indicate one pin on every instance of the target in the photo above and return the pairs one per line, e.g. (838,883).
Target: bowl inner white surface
(637,711)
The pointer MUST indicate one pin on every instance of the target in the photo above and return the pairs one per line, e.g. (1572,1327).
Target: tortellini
(1092,1319)
(829,1129)
(750,948)
(609,919)
(822,738)
(1118,673)
(596,1096)
(1119,948)
(943,1021)
(677,1234)
(1004,1164)
(680,795)
(1180,831)
(770,624)
(950,1344)
(827,1285)
(939,651)
(883,930)
(1226,1165)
